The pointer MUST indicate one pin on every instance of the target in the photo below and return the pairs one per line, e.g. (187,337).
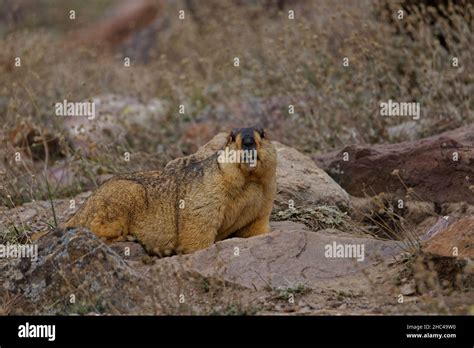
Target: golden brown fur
(190,205)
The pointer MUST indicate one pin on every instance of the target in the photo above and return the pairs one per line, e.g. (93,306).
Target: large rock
(116,119)
(121,279)
(75,263)
(428,166)
(231,277)
(447,253)
(455,240)
(129,25)
(76,273)
(298,178)
(288,256)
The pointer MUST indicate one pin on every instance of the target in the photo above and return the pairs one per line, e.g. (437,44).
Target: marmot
(193,202)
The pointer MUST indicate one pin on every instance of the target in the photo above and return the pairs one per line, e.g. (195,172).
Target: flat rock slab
(288,256)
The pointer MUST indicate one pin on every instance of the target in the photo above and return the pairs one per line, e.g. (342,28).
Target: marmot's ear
(262,132)
(232,136)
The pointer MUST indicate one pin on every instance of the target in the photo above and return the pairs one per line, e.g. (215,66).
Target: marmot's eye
(261,131)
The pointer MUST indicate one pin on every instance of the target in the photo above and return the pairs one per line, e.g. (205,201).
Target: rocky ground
(402,187)
(418,258)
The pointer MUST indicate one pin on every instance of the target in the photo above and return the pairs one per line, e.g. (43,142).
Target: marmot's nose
(248,143)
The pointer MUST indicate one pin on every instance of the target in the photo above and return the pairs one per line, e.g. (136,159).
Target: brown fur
(220,200)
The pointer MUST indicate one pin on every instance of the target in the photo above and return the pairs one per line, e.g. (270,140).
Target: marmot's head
(251,150)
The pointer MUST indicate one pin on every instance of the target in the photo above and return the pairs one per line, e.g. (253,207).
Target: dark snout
(250,147)
(248,143)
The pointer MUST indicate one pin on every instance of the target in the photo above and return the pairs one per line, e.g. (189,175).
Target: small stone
(408,289)
(304,310)
(27,214)
(343,306)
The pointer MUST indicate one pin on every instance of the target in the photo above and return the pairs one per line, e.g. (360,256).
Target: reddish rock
(127,18)
(446,258)
(459,235)
(425,165)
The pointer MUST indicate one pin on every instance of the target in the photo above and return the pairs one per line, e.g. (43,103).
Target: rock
(234,271)
(129,250)
(288,256)
(425,165)
(298,178)
(455,240)
(343,306)
(76,264)
(440,225)
(116,119)
(126,20)
(27,214)
(447,256)
(408,289)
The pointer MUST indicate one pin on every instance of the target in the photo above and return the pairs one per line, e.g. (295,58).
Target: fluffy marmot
(193,202)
